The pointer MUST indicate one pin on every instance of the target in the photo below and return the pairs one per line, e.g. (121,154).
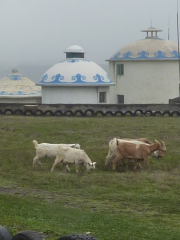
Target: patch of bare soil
(40,194)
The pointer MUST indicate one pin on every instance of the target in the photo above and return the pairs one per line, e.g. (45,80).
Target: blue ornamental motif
(78,78)
(73,61)
(44,78)
(98,78)
(78,60)
(14,77)
(145,55)
(19,93)
(57,78)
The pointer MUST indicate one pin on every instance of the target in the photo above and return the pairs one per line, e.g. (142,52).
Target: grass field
(112,206)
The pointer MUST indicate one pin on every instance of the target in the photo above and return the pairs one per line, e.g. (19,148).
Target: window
(102,97)
(120,98)
(120,69)
(74,55)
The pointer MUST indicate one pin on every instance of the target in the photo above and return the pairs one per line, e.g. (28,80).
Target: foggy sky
(39,31)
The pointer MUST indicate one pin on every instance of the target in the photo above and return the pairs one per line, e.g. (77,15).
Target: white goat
(73,156)
(49,150)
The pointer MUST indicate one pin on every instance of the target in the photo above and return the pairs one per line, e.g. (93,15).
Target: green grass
(127,205)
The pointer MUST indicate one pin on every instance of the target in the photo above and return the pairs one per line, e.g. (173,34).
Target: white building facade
(145,71)
(75,80)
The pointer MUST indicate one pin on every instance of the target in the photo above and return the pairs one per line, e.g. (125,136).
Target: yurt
(75,80)
(15,88)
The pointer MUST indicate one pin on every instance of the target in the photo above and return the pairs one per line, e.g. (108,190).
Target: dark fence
(116,110)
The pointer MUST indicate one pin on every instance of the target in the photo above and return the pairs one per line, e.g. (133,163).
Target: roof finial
(151,32)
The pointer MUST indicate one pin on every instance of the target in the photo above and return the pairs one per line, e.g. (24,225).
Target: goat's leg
(114,165)
(35,161)
(135,165)
(147,162)
(65,165)
(65,168)
(109,153)
(108,158)
(57,160)
(139,165)
(125,164)
(77,166)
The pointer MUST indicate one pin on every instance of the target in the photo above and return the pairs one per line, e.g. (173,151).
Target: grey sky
(39,31)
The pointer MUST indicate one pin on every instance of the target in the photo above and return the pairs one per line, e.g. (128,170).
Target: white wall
(72,95)
(25,100)
(112,89)
(146,82)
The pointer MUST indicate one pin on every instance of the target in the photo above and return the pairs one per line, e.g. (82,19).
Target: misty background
(35,33)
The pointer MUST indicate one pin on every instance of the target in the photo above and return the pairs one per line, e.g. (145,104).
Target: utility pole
(178,37)
(168,26)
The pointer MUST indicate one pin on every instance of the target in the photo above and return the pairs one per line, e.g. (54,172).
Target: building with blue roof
(145,71)
(75,80)
(15,88)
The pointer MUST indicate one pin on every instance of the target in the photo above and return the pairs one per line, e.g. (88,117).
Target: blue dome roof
(75,71)
(151,48)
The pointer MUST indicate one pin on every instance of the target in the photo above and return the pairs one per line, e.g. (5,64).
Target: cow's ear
(94,163)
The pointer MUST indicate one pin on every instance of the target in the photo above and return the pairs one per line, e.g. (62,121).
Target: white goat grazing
(73,156)
(49,150)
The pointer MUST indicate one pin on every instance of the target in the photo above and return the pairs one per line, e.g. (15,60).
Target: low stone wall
(91,110)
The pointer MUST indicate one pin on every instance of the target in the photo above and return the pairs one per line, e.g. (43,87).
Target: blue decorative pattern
(57,78)
(44,78)
(98,78)
(72,61)
(19,93)
(78,78)
(75,60)
(66,73)
(144,55)
(15,77)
